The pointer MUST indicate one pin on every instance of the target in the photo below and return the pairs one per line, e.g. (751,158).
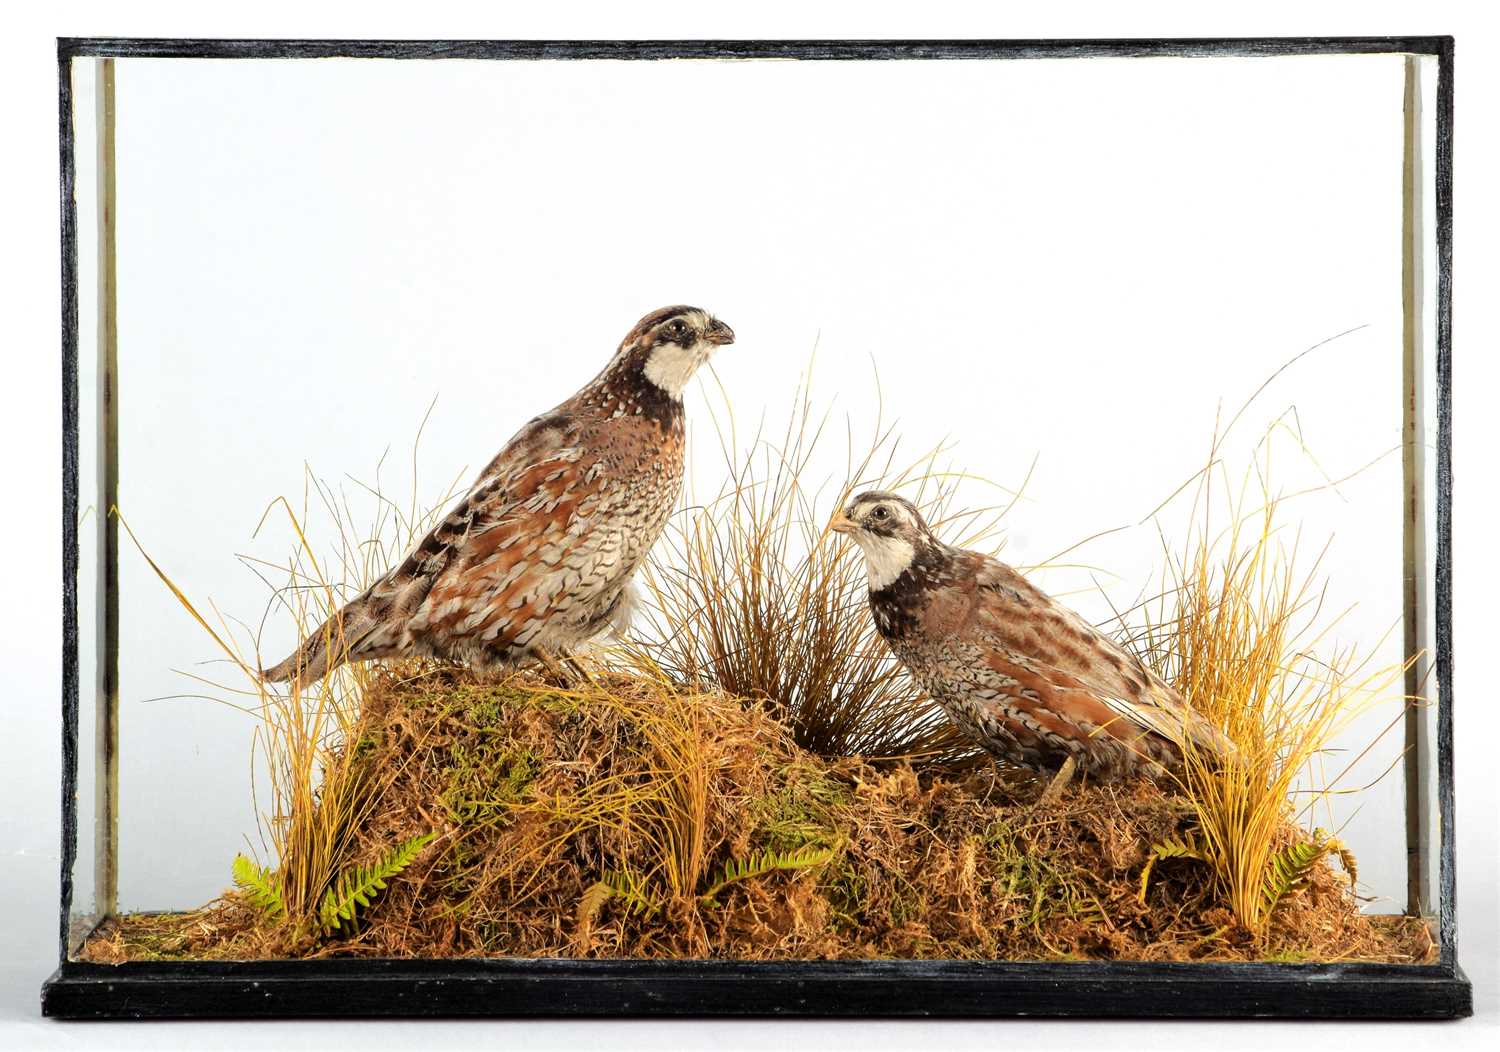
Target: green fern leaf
(625,885)
(1172,847)
(622,884)
(1290,866)
(357,888)
(260,887)
(758,865)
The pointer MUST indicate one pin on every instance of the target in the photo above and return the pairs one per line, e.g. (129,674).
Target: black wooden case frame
(525,987)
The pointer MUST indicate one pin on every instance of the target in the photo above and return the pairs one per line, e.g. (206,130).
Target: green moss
(481,707)
(1043,889)
(485,779)
(806,811)
(803,811)
(493,936)
(907,902)
(1289,955)
(847,892)
(484,704)
(484,712)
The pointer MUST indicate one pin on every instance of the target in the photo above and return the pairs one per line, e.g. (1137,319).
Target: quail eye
(880,514)
(677,328)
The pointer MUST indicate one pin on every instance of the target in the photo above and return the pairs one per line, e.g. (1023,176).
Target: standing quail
(538,555)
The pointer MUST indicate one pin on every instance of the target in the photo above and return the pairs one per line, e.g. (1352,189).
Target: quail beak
(841,523)
(719,334)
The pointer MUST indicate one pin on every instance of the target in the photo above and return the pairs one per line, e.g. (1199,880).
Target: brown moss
(589,823)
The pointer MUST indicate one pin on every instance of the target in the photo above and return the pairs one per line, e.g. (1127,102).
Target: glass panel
(1078,271)
(85,897)
(1426,196)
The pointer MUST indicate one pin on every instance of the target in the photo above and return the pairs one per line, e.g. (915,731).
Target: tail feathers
(1210,738)
(342,638)
(1177,723)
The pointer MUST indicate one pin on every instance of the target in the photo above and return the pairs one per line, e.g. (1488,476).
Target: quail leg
(563,677)
(578,672)
(1059,782)
(990,792)
(994,772)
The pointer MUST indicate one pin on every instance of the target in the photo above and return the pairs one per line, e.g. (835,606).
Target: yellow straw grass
(1238,632)
(320,791)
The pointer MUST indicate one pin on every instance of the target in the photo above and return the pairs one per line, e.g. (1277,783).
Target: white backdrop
(1081,262)
(29,642)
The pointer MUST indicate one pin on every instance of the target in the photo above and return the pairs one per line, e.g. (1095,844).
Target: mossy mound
(603,823)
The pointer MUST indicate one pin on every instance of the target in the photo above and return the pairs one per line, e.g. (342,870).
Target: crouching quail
(1020,673)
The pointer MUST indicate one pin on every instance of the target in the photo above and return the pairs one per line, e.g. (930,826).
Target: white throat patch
(670,367)
(886,558)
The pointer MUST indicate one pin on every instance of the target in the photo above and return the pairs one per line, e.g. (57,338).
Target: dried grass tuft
(1241,631)
(743,594)
(322,789)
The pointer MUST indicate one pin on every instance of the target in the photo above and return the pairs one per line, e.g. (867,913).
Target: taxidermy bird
(1024,676)
(538,555)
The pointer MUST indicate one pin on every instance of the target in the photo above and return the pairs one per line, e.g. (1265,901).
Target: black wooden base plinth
(510,987)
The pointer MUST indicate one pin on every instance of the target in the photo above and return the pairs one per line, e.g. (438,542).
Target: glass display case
(1158,327)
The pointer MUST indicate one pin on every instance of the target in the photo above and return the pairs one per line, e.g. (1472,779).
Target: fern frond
(1346,859)
(356,888)
(758,865)
(1172,847)
(260,887)
(1290,866)
(592,901)
(623,884)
